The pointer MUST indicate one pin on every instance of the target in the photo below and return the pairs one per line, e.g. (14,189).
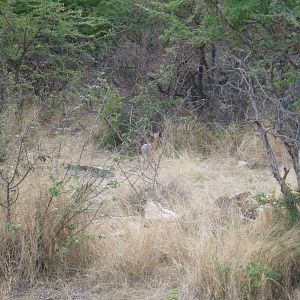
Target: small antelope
(149,149)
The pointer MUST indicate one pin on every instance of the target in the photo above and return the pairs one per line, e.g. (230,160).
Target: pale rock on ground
(154,210)
(242,163)
(297,293)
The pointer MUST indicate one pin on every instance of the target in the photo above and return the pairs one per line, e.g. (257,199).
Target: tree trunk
(272,160)
(17,72)
(202,63)
(8,205)
(293,151)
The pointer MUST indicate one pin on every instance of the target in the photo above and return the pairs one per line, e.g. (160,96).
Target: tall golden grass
(203,254)
(236,140)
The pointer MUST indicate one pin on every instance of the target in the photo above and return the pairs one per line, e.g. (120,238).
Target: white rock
(296,293)
(242,163)
(154,210)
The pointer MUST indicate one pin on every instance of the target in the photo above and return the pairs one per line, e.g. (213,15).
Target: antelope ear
(151,134)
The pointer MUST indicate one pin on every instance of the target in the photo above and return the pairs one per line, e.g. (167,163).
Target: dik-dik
(149,149)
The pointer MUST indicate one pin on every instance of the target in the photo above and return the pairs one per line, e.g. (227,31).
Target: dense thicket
(224,61)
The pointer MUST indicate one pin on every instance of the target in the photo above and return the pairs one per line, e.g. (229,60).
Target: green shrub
(173,294)
(287,203)
(257,272)
(112,108)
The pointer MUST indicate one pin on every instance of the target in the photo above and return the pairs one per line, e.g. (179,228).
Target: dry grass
(204,254)
(239,141)
(33,244)
(200,254)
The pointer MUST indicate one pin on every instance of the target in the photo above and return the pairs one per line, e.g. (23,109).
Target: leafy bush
(109,114)
(112,108)
(40,46)
(286,203)
(173,295)
(145,112)
(258,272)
